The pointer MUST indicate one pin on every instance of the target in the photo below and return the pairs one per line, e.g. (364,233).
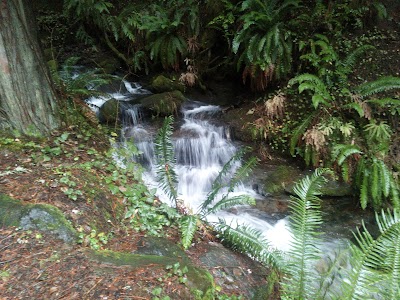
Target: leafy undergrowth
(76,173)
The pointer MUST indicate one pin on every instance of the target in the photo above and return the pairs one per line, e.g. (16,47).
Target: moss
(43,217)
(281,177)
(161,84)
(198,279)
(109,112)
(164,104)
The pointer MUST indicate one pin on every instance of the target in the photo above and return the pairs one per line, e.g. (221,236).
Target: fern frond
(364,190)
(226,203)
(352,58)
(165,160)
(375,186)
(305,220)
(188,226)
(385,101)
(241,173)
(218,182)
(370,255)
(341,152)
(298,133)
(250,241)
(380,85)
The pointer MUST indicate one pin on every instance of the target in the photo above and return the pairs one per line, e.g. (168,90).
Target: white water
(201,150)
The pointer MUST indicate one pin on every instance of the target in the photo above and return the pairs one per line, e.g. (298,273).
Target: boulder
(164,104)
(161,84)
(109,112)
(42,217)
(282,179)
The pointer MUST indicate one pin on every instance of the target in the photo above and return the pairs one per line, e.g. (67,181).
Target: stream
(202,146)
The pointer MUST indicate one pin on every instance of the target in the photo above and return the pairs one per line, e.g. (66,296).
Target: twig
(100,280)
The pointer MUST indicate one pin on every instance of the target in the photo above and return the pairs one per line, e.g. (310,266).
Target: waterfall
(201,148)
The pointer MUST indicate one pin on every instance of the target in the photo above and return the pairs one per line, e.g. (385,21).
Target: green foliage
(381,85)
(338,16)
(372,177)
(162,27)
(375,261)
(248,240)
(314,84)
(138,33)
(264,43)
(165,160)
(305,220)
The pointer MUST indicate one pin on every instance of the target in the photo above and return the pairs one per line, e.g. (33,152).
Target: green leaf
(230,202)
(188,226)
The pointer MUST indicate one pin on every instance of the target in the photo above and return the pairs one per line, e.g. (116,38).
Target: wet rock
(282,179)
(240,123)
(164,104)
(109,112)
(232,270)
(332,188)
(276,179)
(161,84)
(46,218)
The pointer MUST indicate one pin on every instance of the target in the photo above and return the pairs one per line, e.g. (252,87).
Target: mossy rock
(332,188)
(276,181)
(161,84)
(43,217)
(109,112)
(239,121)
(198,279)
(160,246)
(164,104)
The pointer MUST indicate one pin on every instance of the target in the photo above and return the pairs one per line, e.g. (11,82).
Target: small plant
(94,240)
(264,42)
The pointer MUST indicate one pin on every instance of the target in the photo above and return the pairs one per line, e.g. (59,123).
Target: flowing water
(202,146)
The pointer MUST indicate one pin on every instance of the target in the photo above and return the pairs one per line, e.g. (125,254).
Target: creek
(202,145)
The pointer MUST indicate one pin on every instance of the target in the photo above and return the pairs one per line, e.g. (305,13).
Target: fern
(188,226)
(381,85)
(342,152)
(248,240)
(165,163)
(165,160)
(263,43)
(305,220)
(375,262)
(298,133)
(226,203)
(314,84)
(218,182)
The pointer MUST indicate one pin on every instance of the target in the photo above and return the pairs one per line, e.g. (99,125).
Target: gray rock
(42,217)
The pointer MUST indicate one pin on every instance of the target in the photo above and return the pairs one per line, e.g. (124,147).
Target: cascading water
(201,149)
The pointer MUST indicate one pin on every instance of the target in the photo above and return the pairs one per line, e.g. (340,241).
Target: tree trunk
(27,99)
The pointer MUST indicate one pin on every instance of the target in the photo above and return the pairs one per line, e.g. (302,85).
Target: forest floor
(35,265)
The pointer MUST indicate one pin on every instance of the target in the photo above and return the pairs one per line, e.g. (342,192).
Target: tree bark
(27,99)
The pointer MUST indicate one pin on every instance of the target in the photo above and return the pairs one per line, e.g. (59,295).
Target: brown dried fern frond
(315,138)
(275,107)
(364,106)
